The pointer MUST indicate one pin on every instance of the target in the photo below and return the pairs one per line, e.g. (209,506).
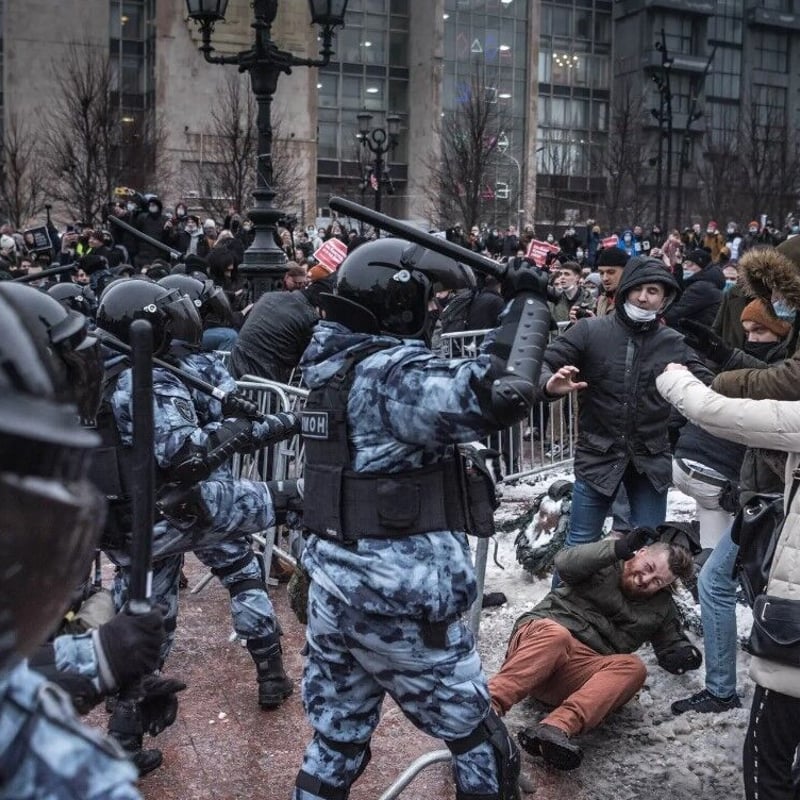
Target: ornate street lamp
(264,262)
(379,141)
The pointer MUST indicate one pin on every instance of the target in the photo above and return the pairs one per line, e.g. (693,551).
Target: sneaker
(552,744)
(705,703)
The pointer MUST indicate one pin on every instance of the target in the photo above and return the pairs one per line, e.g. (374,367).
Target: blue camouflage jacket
(407,409)
(47,754)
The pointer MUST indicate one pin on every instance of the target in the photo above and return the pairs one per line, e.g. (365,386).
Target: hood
(642,269)
(627,232)
(763,269)
(331,342)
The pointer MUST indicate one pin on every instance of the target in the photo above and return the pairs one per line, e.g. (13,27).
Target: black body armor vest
(343,505)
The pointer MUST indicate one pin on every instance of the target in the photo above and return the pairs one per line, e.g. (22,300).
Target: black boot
(125,726)
(274,685)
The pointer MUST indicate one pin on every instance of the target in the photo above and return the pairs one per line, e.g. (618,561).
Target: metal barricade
(543,441)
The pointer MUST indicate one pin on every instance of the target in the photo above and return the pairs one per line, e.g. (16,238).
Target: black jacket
(702,295)
(274,335)
(621,416)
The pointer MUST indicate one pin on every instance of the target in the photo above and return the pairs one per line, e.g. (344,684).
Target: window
(724,79)
(771,51)
(678,33)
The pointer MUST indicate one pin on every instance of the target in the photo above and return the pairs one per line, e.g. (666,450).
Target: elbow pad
(510,386)
(195,463)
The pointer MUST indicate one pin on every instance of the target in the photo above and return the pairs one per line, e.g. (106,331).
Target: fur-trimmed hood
(764,269)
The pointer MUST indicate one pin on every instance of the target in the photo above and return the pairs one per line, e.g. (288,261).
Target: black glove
(702,339)
(634,540)
(183,506)
(275,428)
(522,276)
(131,644)
(159,704)
(680,658)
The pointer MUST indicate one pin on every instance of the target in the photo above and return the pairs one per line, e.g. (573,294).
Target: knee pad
(244,584)
(506,754)
(327,791)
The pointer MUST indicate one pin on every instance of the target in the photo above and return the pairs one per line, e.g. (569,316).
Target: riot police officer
(205,509)
(49,507)
(388,558)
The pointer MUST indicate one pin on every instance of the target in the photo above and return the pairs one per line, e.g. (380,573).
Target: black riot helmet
(75,297)
(51,514)
(78,368)
(209,299)
(171,314)
(385,286)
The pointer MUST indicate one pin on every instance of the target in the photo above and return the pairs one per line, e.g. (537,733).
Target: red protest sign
(610,241)
(537,251)
(332,253)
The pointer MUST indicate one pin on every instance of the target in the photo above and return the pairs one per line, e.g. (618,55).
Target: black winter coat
(702,295)
(622,418)
(274,335)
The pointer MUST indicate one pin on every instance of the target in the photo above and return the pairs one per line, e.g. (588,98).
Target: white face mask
(153,208)
(636,314)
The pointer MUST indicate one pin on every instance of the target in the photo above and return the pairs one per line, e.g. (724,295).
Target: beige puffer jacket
(774,424)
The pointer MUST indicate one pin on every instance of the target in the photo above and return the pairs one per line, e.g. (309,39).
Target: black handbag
(756,529)
(776,630)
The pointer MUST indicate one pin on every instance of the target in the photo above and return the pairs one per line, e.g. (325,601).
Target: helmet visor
(184,320)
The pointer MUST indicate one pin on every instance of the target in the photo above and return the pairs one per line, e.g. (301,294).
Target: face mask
(759,350)
(550,237)
(191,229)
(710,231)
(152,208)
(731,230)
(783,310)
(753,231)
(636,314)
(687,273)
(626,239)
(180,213)
(579,253)
(729,284)
(131,206)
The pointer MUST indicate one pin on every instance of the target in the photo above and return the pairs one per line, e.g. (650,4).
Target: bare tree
(624,160)
(461,188)
(22,174)
(90,146)
(227,179)
(720,196)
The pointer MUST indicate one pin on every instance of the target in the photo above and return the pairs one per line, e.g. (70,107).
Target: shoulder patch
(185,409)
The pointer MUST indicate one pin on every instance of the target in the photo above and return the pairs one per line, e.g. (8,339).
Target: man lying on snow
(573,650)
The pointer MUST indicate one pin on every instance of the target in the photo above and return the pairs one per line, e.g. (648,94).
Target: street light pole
(264,262)
(379,141)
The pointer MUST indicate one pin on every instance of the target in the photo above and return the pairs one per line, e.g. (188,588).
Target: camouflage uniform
(46,754)
(368,601)
(236,507)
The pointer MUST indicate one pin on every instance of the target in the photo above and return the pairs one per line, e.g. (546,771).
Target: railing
(546,439)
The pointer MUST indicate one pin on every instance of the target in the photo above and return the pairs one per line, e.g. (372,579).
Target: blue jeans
(590,508)
(717,591)
(219,339)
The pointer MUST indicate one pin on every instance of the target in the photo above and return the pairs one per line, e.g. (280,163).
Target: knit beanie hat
(612,257)
(319,272)
(758,311)
(699,256)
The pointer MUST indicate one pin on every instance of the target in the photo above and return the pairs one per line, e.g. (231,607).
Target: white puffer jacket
(773,424)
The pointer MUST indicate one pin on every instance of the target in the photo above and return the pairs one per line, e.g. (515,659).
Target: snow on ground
(643,750)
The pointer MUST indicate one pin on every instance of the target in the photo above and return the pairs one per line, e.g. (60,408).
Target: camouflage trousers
(251,610)
(354,660)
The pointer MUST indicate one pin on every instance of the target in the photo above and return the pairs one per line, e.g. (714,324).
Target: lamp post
(264,262)
(379,141)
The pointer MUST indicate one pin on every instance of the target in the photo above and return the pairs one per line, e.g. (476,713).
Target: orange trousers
(545,661)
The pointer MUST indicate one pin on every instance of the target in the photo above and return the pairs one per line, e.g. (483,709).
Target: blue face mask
(729,284)
(687,273)
(783,310)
